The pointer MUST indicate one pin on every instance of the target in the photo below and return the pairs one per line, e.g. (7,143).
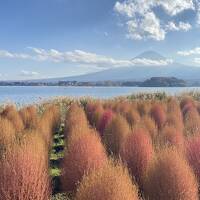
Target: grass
(55,160)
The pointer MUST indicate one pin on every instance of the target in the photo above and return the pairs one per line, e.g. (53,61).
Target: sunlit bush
(170,177)
(110,183)
(133,117)
(76,121)
(116,133)
(11,113)
(159,115)
(170,136)
(24,171)
(81,157)
(29,116)
(148,123)
(104,121)
(193,154)
(137,152)
(192,122)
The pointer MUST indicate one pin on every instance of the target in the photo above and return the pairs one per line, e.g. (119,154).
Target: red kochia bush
(187,101)
(159,115)
(137,152)
(12,114)
(49,122)
(76,121)
(109,183)
(170,177)
(133,117)
(192,122)
(94,110)
(116,133)
(24,172)
(193,154)
(7,132)
(187,108)
(29,117)
(172,136)
(106,118)
(148,123)
(83,155)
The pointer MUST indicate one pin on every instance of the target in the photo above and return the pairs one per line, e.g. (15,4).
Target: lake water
(27,95)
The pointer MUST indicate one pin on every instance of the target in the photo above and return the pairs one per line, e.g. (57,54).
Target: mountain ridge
(138,72)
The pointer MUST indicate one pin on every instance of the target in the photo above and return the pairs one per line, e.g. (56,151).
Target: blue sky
(56,38)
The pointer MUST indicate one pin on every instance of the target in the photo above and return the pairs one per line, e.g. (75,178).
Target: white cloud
(143,23)
(195,51)
(174,7)
(82,58)
(197,60)
(28,73)
(147,27)
(182,26)
(7,54)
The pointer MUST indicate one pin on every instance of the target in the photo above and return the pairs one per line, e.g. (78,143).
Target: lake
(29,94)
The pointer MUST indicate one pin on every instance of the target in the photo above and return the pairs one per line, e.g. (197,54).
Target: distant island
(152,82)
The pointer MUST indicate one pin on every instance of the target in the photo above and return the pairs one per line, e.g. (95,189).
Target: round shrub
(193,154)
(94,111)
(49,122)
(186,101)
(109,183)
(97,114)
(175,120)
(170,177)
(83,155)
(159,115)
(12,114)
(148,123)
(137,152)
(76,121)
(24,171)
(192,122)
(144,107)
(116,133)
(29,117)
(172,136)
(106,118)
(133,117)
(7,134)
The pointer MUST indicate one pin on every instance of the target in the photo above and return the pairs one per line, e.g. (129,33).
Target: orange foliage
(170,177)
(24,171)
(82,156)
(116,133)
(111,182)
(137,152)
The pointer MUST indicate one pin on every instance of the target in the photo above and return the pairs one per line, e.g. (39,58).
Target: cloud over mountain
(82,58)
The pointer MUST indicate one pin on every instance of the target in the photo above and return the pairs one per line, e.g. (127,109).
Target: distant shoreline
(152,82)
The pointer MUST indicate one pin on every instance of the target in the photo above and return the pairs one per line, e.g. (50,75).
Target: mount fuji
(139,72)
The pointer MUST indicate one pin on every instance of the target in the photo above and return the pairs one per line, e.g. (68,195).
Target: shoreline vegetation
(152,82)
(85,148)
